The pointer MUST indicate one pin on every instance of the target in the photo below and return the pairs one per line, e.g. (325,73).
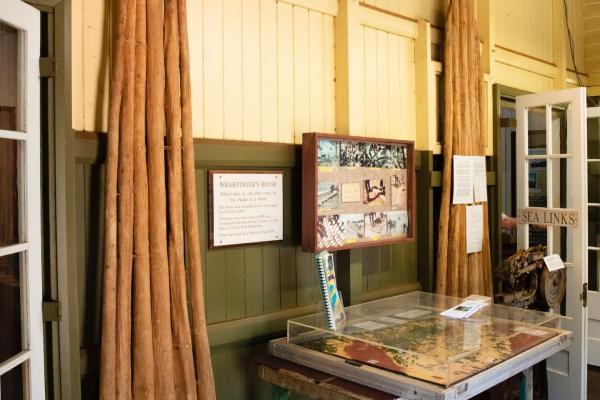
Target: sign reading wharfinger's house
(245,207)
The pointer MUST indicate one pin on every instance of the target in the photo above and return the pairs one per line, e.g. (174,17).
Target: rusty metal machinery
(525,281)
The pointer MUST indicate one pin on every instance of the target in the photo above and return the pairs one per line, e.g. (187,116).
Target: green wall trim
(254,329)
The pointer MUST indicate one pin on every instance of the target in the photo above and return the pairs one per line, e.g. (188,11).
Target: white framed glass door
(21,327)
(551,169)
(593,203)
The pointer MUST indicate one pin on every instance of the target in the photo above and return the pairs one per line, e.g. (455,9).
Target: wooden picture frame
(370,166)
(211,205)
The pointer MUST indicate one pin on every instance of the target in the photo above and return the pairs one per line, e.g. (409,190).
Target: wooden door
(593,203)
(21,340)
(551,171)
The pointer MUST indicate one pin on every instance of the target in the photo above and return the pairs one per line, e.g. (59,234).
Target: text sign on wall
(548,216)
(245,207)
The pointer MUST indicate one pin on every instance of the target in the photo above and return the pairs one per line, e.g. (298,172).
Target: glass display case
(405,335)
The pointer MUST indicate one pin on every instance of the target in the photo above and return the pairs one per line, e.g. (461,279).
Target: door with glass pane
(551,170)
(21,331)
(593,182)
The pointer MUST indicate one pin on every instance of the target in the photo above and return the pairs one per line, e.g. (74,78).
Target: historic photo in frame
(356,192)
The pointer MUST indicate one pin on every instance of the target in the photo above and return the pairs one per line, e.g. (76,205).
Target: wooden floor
(593,387)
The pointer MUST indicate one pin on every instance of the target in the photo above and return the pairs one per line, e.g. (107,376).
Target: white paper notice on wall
(474,228)
(479,179)
(554,262)
(462,169)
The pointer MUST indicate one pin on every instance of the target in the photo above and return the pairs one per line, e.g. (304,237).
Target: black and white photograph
(397,223)
(374,155)
(328,196)
(397,157)
(375,224)
(398,189)
(329,231)
(353,226)
(374,192)
(351,154)
(328,153)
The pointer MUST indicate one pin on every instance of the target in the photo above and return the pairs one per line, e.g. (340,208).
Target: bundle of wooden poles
(151,346)
(459,273)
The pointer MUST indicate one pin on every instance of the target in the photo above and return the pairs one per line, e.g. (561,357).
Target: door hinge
(51,311)
(584,294)
(47,67)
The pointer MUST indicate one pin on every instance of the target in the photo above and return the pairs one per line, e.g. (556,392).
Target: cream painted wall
(268,70)
(591,13)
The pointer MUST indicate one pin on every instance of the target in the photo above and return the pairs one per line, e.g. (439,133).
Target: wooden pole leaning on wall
(459,273)
(204,372)
(143,353)
(125,212)
(185,377)
(159,262)
(144,268)
(109,290)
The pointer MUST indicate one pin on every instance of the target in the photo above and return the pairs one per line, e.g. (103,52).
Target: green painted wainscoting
(250,291)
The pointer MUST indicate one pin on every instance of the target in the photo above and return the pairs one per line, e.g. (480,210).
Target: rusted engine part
(525,280)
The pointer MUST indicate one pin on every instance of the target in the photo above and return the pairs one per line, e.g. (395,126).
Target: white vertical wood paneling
(370,62)
(316,78)
(232,69)
(383,90)
(195,11)
(329,73)
(268,70)
(213,69)
(285,73)
(525,26)
(96,40)
(389,85)
(251,69)
(395,84)
(77,60)
(301,74)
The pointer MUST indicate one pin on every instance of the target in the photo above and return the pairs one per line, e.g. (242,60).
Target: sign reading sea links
(548,216)
(245,207)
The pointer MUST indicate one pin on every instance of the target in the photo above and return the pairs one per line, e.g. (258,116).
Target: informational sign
(553,262)
(245,207)
(463,180)
(548,216)
(474,228)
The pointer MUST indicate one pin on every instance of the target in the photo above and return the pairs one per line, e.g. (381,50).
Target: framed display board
(356,192)
(245,207)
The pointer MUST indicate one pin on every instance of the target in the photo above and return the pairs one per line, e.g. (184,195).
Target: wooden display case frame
(310,183)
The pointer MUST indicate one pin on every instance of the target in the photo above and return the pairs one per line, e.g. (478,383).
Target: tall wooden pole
(109,291)
(125,216)
(143,353)
(159,270)
(181,327)
(204,372)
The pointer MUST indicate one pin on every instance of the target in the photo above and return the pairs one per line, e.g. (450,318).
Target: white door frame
(26,20)
(567,371)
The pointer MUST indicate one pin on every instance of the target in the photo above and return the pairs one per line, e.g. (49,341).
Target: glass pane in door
(593,182)
(537,183)
(593,138)
(11,384)
(10,307)
(536,130)
(9,77)
(9,192)
(593,264)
